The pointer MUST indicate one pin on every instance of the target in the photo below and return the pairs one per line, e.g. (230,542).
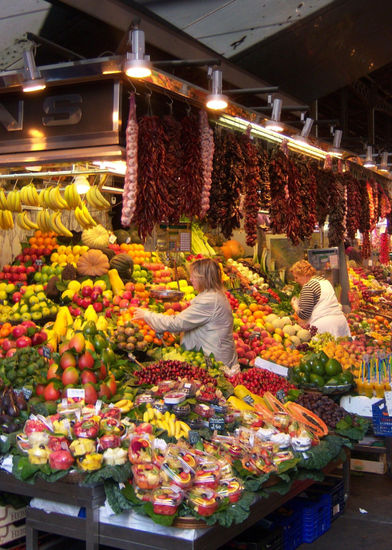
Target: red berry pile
(234,303)
(172,370)
(259,381)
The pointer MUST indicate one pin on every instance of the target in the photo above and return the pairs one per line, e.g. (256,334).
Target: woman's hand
(139,313)
(294,303)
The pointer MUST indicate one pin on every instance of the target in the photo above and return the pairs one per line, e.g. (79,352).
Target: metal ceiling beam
(166,37)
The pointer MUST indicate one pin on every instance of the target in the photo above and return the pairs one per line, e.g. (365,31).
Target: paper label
(271,367)
(75,395)
(388,401)
(193,437)
(216,423)
(46,352)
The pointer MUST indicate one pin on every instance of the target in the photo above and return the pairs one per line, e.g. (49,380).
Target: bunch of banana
(175,428)
(13,201)
(3,200)
(72,197)
(125,405)
(43,220)
(95,198)
(57,225)
(24,222)
(83,217)
(29,195)
(6,219)
(54,199)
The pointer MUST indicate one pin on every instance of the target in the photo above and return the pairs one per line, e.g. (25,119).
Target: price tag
(305,455)
(280,394)
(27,392)
(216,423)
(38,262)
(388,401)
(113,238)
(46,352)
(248,399)
(193,437)
(76,395)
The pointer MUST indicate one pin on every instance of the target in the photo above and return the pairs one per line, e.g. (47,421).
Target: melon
(289,330)
(304,335)
(277,323)
(271,317)
(232,249)
(295,340)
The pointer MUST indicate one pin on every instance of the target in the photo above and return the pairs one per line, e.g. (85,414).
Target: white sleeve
(197,314)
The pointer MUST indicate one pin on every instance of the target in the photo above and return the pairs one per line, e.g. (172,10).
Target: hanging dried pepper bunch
(372,203)
(278,175)
(324,180)
(151,203)
(207,156)
(354,204)
(227,178)
(191,179)
(174,160)
(293,206)
(337,212)
(251,187)
(364,219)
(307,195)
(264,189)
(130,180)
(384,248)
(385,204)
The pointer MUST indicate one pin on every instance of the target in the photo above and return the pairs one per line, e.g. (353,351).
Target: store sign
(60,117)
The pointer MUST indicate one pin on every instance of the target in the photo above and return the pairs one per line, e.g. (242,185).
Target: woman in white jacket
(317,304)
(207,323)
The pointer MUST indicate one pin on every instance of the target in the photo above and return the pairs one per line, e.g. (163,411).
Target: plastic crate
(290,519)
(333,486)
(316,515)
(382,423)
(257,538)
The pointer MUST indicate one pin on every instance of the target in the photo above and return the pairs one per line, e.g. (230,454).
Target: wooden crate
(376,466)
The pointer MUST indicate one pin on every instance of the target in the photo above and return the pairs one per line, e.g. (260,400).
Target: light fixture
(303,136)
(272,136)
(369,162)
(34,80)
(384,162)
(216,100)
(337,139)
(82,184)
(137,63)
(274,124)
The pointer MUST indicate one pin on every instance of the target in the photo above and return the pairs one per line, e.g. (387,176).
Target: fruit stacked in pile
(24,335)
(46,273)
(160,273)
(31,302)
(67,255)
(80,365)
(137,335)
(141,275)
(24,367)
(260,381)
(319,370)
(172,370)
(136,251)
(324,407)
(43,241)
(16,273)
(86,294)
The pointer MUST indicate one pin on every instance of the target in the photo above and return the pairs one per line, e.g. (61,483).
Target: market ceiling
(336,52)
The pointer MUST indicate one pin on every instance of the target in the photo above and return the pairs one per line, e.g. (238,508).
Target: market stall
(91,392)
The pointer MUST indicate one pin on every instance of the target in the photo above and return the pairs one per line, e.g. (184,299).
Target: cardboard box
(9,514)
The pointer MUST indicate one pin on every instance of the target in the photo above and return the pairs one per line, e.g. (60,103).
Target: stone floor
(362,531)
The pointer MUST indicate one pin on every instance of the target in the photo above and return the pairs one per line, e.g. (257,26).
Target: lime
(347,377)
(316,379)
(304,377)
(319,369)
(333,367)
(307,367)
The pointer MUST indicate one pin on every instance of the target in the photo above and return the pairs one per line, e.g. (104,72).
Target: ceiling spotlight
(137,63)
(34,80)
(216,100)
(384,162)
(337,139)
(274,124)
(82,184)
(369,162)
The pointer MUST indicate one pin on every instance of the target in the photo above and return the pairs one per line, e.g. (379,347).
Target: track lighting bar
(267,108)
(186,62)
(241,91)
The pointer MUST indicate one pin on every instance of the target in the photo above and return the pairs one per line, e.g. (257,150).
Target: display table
(115,532)
(90,498)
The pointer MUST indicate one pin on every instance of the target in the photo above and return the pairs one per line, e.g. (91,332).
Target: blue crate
(290,519)
(382,423)
(333,486)
(316,515)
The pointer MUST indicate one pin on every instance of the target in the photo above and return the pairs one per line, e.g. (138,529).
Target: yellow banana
(20,219)
(3,200)
(88,216)
(59,227)
(56,200)
(13,201)
(30,224)
(101,199)
(1,220)
(8,220)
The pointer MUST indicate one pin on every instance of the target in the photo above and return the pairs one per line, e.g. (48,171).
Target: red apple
(67,360)
(23,342)
(105,302)
(98,307)
(85,302)
(86,291)
(16,297)
(10,352)
(19,330)
(7,344)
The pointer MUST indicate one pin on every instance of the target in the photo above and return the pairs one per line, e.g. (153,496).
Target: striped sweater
(308,298)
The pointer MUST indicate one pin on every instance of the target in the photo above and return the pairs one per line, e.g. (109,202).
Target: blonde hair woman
(317,304)
(207,323)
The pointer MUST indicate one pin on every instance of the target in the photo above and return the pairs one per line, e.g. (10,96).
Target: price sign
(388,401)
(271,367)
(39,262)
(216,423)
(193,437)
(46,352)
(248,399)
(280,394)
(27,392)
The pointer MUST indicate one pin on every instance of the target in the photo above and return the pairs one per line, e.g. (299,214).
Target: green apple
(53,310)
(3,295)
(38,288)
(10,288)
(26,316)
(24,308)
(41,296)
(16,317)
(45,312)
(36,315)
(35,307)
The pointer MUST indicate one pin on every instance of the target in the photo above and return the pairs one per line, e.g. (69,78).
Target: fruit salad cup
(166,500)
(231,489)
(140,450)
(203,501)
(146,476)
(176,470)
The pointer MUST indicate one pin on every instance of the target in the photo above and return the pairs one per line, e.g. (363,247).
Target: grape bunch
(324,407)
(172,370)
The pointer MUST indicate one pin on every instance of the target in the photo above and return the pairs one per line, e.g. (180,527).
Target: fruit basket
(167,295)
